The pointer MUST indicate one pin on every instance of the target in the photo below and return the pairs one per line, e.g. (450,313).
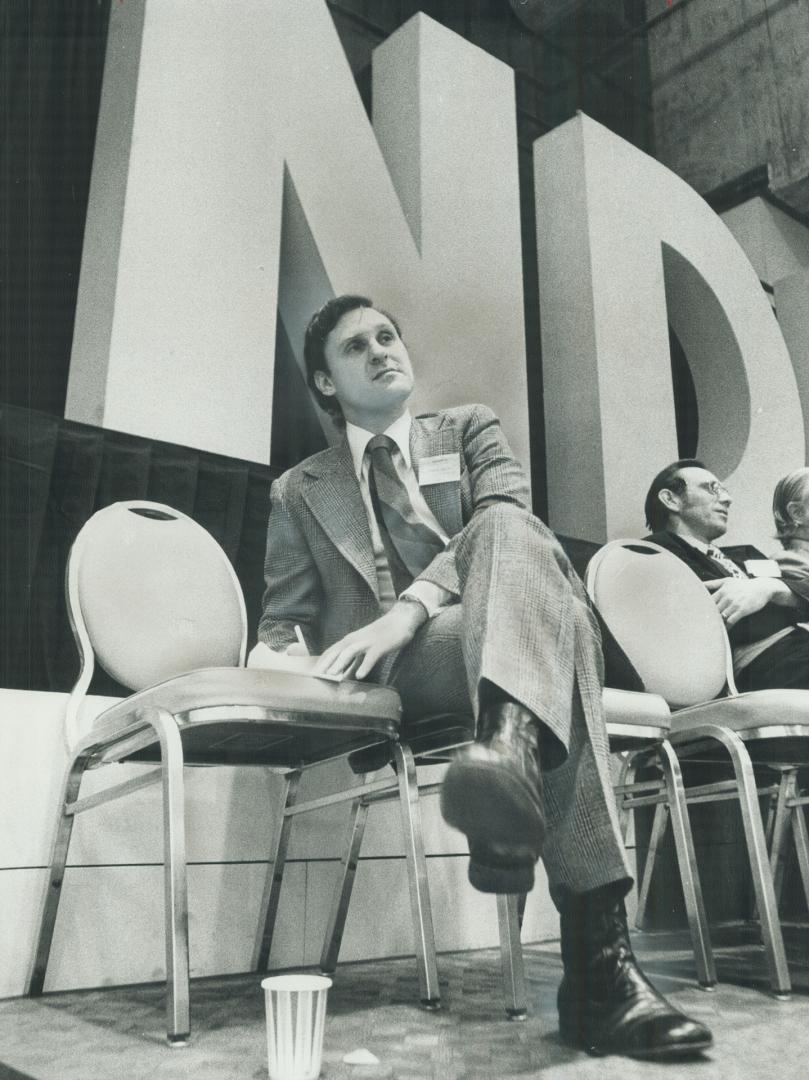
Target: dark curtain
(51,64)
(53,475)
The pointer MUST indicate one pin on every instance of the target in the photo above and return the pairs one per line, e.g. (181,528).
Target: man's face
(702,509)
(369,368)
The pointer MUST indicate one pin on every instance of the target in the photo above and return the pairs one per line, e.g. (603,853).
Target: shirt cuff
(432,597)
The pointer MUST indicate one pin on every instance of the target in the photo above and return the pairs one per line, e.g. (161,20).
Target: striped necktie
(410,544)
(726,563)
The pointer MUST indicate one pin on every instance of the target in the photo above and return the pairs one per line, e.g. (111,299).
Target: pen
(300,637)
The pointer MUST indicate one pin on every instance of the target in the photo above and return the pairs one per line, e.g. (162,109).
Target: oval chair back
(152,595)
(663,618)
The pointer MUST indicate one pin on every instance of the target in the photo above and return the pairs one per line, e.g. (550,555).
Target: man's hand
(738,597)
(366,646)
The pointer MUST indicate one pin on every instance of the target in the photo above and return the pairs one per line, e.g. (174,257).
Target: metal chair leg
(626,778)
(175,877)
(782,821)
(759,861)
(655,838)
(514,993)
(58,861)
(687,862)
(769,825)
(271,894)
(417,876)
(344,886)
(801,837)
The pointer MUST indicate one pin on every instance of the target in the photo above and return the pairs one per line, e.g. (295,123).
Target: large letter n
(184,261)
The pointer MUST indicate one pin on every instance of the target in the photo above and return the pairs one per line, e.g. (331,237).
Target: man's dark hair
(657,516)
(320,326)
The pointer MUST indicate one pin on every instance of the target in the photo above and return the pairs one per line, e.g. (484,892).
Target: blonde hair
(790,489)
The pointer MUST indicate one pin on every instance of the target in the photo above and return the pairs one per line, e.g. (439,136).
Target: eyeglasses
(719,491)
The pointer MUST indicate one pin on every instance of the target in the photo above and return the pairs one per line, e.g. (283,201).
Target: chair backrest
(152,595)
(663,618)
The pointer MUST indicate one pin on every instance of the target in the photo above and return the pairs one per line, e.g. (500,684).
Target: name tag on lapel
(439,469)
(762,567)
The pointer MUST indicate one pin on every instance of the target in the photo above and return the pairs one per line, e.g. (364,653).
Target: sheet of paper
(262,656)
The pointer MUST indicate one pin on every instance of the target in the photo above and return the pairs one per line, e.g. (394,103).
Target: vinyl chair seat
(644,715)
(750,715)
(257,717)
(774,724)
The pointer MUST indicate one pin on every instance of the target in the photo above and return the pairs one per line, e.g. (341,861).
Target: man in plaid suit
(415,559)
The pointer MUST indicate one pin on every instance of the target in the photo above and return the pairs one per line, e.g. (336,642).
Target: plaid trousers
(525,625)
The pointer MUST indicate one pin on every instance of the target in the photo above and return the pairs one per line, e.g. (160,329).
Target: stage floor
(117,1034)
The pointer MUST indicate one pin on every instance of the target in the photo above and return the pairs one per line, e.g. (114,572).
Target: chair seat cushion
(627,707)
(758,710)
(260,716)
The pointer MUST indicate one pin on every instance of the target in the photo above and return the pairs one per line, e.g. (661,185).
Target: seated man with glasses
(687,507)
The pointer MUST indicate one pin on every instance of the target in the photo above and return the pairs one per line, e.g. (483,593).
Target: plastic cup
(296,1017)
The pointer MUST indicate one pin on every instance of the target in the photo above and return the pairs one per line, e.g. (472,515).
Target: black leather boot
(493,792)
(606,1003)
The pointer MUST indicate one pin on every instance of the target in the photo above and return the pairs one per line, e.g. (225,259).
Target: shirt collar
(358,438)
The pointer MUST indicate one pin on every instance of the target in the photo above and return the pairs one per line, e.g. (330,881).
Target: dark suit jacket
(755,627)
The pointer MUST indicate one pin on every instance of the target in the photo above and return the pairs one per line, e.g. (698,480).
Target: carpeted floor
(118,1034)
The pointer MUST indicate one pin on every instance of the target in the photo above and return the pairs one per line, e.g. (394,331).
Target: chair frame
(787,816)
(152,725)
(651,746)
(406,787)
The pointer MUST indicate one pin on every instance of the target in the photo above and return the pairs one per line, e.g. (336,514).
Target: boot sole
(494,807)
(669,1053)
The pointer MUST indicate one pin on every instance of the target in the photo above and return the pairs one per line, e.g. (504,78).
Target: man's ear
(324,383)
(669,499)
(796,514)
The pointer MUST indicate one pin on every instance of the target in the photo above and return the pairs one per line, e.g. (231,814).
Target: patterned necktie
(728,564)
(410,544)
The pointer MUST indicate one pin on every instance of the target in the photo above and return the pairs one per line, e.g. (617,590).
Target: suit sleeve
(293,593)
(795,574)
(495,476)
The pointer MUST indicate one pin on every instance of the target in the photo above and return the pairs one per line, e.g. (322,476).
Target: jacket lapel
(333,495)
(709,568)
(430,436)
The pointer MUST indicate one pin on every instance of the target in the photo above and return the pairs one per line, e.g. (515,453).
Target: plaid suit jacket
(319,568)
